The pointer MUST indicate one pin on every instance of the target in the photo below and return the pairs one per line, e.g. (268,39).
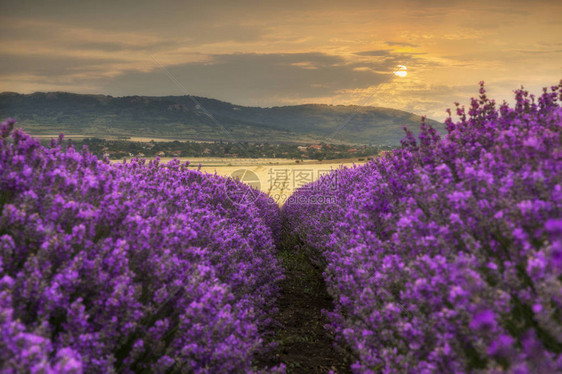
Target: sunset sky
(268,53)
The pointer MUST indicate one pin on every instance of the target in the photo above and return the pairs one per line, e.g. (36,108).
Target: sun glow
(402,71)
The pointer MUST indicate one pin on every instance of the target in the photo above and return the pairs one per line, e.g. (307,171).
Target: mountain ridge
(187,118)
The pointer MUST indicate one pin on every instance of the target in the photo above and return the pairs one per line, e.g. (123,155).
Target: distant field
(142,139)
(280,180)
(274,176)
(55,136)
(146,139)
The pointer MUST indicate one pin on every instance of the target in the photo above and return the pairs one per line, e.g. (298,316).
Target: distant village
(119,149)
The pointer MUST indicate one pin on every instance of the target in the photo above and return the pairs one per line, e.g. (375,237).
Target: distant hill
(181,118)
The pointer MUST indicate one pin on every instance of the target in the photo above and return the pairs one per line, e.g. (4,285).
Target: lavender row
(446,255)
(129,267)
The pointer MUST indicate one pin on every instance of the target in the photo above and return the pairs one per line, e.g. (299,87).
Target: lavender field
(135,267)
(444,256)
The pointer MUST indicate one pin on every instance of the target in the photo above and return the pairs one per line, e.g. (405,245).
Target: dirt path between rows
(305,346)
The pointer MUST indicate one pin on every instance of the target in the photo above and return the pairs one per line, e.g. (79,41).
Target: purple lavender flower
(128,267)
(448,251)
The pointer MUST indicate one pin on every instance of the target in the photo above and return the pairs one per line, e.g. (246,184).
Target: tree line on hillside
(118,149)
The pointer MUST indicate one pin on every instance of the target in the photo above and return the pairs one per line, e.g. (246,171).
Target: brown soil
(305,346)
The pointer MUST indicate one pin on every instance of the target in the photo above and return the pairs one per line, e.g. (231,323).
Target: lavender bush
(128,267)
(446,255)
